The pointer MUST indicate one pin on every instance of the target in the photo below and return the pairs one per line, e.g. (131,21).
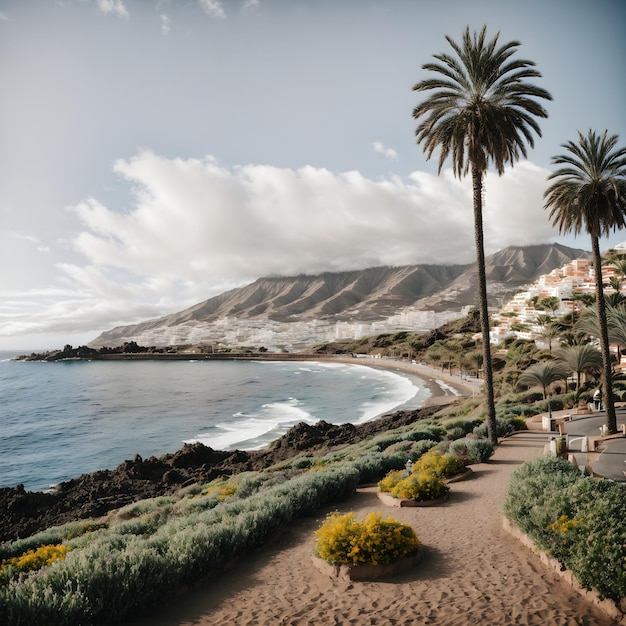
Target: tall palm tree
(480,109)
(589,193)
(550,331)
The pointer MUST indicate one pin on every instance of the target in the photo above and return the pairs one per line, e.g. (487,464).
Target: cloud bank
(196,219)
(197,228)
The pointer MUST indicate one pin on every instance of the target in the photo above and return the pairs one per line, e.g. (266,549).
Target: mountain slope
(356,296)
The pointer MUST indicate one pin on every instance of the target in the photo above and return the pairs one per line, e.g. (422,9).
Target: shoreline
(444,388)
(432,388)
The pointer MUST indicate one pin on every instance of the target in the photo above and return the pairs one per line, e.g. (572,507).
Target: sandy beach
(444,387)
(473,571)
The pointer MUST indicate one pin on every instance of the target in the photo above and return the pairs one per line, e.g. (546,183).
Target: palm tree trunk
(611,418)
(477,189)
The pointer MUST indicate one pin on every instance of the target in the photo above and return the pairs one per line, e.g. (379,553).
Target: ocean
(66,418)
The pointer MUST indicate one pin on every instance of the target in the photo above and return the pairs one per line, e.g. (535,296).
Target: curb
(609,607)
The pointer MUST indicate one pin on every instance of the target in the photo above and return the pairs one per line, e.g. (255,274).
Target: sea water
(66,418)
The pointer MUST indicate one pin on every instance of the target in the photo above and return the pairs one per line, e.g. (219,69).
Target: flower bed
(346,548)
(424,482)
(366,571)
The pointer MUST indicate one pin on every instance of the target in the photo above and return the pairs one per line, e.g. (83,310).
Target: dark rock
(23,513)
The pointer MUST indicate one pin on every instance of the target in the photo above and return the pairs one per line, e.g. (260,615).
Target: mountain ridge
(357,296)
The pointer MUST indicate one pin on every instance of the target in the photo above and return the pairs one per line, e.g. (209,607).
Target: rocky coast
(23,513)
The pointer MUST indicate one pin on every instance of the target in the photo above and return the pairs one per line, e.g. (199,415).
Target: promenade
(609,459)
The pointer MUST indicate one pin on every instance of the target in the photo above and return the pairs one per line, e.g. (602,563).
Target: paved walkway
(609,460)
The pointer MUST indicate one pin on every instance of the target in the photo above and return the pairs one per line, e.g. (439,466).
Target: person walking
(597,399)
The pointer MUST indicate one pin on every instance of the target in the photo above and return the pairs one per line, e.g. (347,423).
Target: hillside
(303,305)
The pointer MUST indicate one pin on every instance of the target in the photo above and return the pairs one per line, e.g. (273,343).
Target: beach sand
(473,571)
(444,387)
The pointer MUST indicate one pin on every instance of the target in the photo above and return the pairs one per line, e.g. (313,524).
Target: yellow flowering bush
(420,486)
(221,490)
(445,465)
(563,534)
(391,480)
(35,559)
(425,480)
(342,539)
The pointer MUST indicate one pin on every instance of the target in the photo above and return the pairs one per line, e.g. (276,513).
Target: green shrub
(467,426)
(421,447)
(303,462)
(504,427)
(51,536)
(580,521)
(472,450)
(455,433)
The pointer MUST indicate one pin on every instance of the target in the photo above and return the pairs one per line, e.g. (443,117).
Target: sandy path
(473,571)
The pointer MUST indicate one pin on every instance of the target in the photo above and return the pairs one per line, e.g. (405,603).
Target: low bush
(343,540)
(505,426)
(471,450)
(455,433)
(421,447)
(425,480)
(442,465)
(33,559)
(467,426)
(578,520)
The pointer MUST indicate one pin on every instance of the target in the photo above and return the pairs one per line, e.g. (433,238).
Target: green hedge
(578,520)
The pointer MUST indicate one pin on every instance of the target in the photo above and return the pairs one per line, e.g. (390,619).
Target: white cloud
(213,8)
(381,149)
(3,17)
(250,5)
(30,239)
(113,6)
(194,219)
(197,229)
(165,24)
(22,237)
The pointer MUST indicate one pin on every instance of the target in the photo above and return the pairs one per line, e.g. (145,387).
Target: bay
(66,418)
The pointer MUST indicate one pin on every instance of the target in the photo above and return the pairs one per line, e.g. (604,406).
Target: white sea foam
(255,430)
(401,391)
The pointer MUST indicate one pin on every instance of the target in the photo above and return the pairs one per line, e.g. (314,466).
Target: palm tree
(585,299)
(550,331)
(480,109)
(573,337)
(475,358)
(550,303)
(615,323)
(543,374)
(589,193)
(580,359)
(549,328)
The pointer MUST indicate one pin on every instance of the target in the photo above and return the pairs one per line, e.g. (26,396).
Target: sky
(156,153)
